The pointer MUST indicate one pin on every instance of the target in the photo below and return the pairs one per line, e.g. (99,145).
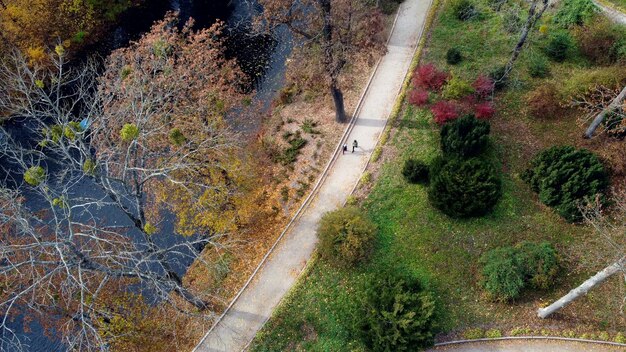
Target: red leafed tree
(484,110)
(429,77)
(334,33)
(418,97)
(483,86)
(444,111)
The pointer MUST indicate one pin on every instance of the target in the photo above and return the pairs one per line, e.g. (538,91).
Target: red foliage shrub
(484,110)
(428,77)
(483,86)
(418,97)
(543,101)
(445,111)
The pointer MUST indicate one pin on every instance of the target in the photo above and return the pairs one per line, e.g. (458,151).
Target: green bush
(464,10)
(575,13)
(464,137)
(457,88)
(35,175)
(464,188)
(474,334)
(396,314)
(507,271)
(539,263)
(493,334)
(129,132)
(415,171)
(538,66)
(560,46)
(346,236)
(454,56)
(502,274)
(564,177)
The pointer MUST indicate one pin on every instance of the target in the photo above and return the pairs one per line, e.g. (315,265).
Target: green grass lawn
(443,251)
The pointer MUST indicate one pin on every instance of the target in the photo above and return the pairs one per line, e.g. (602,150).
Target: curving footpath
(611,12)
(253,306)
(526,344)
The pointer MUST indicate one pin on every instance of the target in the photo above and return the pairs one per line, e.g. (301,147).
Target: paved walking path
(613,13)
(280,272)
(526,345)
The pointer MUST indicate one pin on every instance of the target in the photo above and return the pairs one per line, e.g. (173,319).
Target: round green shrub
(454,56)
(464,188)
(539,263)
(457,88)
(129,132)
(464,10)
(575,13)
(415,171)
(396,314)
(35,175)
(503,276)
(565,177)
(346,236)
(560,46)
(507,271)
(538,66)
(464,137)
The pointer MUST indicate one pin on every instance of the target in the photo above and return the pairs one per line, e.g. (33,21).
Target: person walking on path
(355,145)
(344,149)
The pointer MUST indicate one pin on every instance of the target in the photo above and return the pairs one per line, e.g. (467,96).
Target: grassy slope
(444,251)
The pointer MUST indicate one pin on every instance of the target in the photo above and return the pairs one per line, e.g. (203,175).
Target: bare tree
(336,30)
(604,110)
(83,204)
(534,14)
(612,231)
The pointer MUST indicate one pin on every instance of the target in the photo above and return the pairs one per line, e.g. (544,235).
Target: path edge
(433,6)
(513,338)
(304,204)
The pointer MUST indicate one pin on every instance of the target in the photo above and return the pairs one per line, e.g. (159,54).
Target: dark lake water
(262,58)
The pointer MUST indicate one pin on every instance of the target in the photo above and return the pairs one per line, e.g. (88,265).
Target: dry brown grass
(254,241)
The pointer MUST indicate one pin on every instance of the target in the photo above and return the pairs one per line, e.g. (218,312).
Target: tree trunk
(600,117)
(583,289)
(340,111)
(332,65)
(191,298)
(533,17)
